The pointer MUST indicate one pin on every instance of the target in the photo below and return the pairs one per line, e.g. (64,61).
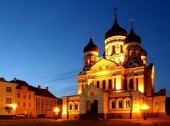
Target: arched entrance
(92,108)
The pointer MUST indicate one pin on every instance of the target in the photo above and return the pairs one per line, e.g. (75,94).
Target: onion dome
(132,37)
(115,30)
(143,52)
(91,46)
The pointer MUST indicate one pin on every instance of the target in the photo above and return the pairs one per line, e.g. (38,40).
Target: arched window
(121,49)
(120,104)
(137,84)
(113,50)
(110,84)
(114,83)
(98,84)
(131,84)
(128,104)
(76,106)
(113,104)
(70,107)
(104,84)
(125,84)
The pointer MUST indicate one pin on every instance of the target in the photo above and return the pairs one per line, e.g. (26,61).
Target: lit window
(8,100)
(8,89)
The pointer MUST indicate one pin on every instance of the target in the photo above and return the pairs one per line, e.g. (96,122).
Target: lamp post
(56,110)
(144,107)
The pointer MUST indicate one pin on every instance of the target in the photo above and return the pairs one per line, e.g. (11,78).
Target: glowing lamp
(144,107)
(56,110)
(14,106)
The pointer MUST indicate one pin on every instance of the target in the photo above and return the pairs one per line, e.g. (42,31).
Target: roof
(41,92)
(38,91)
(132,37)
(91,46)
(20,83)
(3,79)
(115,30)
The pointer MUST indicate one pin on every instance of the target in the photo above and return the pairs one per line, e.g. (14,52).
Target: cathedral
(119,84)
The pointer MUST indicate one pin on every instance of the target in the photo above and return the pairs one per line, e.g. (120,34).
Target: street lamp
(14,106)
(144,107)
(56,110)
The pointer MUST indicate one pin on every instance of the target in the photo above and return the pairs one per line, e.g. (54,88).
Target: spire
(115,10)
(132,37)
(90,33)
(91,46)
(131,22)
(115,29)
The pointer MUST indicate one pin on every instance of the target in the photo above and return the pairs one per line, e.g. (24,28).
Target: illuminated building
(7,99)
(22,100)
(118,84)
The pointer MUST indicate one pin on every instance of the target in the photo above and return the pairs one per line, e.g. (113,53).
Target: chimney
(47,88)
(39,86)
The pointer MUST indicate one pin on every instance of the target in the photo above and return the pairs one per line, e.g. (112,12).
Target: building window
(24,105)
(131,84)
(71,107)
(24,96)
(8,109)
(113,50)
(110,84)
(128,104)
(8,100)
(121,49)
(113,104)
(120,104)
(125,84)
(76,106)
(98,84)
(115,83)
(8,89)
(104,84)
(137,84)
(18,95)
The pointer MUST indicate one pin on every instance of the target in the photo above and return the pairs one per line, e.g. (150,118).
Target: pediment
(103,64)
(92,90)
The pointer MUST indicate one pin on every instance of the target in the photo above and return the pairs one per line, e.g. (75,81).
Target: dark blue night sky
(42,41)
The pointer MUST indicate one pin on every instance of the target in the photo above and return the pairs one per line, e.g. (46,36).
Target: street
(114,122)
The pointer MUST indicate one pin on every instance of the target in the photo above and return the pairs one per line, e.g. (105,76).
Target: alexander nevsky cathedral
(118,84)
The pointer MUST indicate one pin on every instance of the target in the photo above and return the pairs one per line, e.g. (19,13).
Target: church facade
(119,84)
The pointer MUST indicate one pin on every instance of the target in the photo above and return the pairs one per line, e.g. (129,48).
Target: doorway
(92,108)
